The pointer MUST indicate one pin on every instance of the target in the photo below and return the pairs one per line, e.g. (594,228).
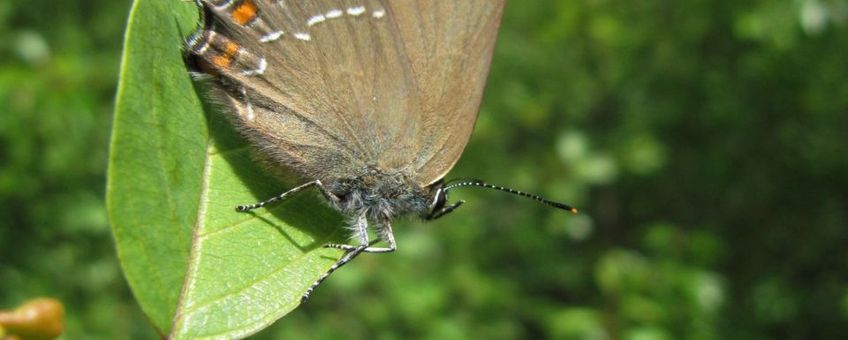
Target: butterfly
(371,102)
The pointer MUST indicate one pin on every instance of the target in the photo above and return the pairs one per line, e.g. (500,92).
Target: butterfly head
(438,197)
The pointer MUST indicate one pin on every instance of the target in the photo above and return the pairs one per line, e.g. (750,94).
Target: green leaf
(246,271)
(197,267)
(156,159)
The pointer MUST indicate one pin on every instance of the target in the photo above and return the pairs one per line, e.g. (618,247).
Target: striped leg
(280,197)
(385,234)
(351,253)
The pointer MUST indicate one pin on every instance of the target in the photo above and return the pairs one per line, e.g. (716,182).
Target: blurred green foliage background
(705,143)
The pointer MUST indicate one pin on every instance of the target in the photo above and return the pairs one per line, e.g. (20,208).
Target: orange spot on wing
(222,61)
(231,49)
(228,53)
(245,12)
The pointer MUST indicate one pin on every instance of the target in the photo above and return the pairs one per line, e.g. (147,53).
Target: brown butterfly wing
(331,88)
(449,47)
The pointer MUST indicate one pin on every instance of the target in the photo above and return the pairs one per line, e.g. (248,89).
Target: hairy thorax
(378,195)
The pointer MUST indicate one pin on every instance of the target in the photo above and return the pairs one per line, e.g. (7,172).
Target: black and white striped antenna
(478,183)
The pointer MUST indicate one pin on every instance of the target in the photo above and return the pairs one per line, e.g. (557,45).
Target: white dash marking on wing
(356,11)
(302,36)
(334,13)
(315,20)
(271,36)
(225,4)
(263,64)
(207,42)
(379,13)
(249,115)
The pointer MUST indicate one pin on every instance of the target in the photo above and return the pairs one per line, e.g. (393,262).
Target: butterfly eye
(440,197)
